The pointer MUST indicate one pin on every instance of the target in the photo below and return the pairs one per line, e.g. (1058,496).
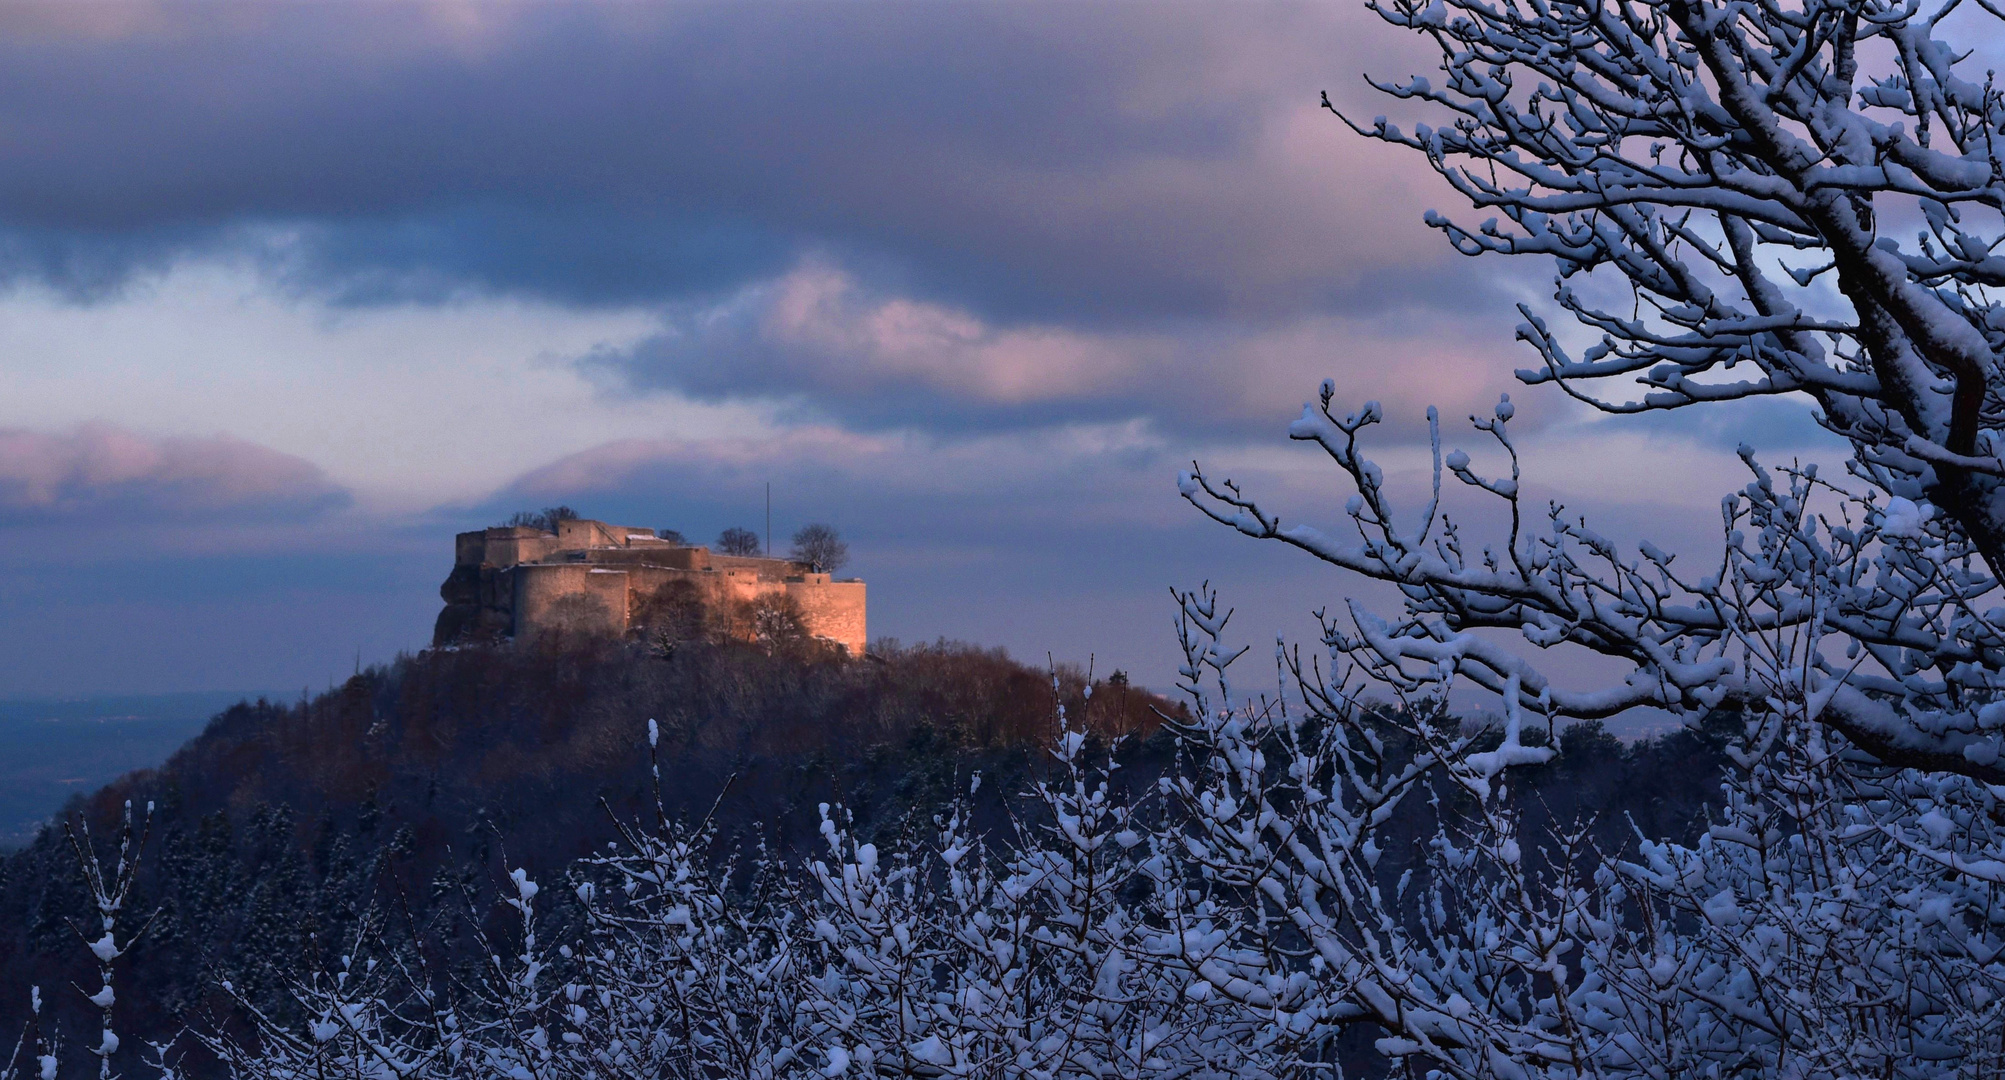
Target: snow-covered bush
(107,933)
(1069,948)
(1838,918)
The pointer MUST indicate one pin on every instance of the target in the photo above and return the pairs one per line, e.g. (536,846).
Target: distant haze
(53,750)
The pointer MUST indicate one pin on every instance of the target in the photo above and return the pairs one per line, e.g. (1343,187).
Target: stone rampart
(832,609)
(570,598)
(591,577)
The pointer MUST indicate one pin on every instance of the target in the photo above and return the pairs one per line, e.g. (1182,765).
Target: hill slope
(413,787)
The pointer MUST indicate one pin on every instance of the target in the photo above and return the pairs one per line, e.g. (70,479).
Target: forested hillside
(405,795)
(411,789)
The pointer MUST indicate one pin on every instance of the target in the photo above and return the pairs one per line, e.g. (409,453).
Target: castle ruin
(589,577)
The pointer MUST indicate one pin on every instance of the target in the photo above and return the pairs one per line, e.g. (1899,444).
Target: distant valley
(52,749)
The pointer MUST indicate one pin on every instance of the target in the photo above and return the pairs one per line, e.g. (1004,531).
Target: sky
(290,293)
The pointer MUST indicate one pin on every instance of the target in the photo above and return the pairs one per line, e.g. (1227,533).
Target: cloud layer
(102,475)
(1097,161)
(830,348)
(955,218)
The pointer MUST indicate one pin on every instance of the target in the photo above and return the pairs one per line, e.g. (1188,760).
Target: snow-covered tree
(1744,200)
(1747,181)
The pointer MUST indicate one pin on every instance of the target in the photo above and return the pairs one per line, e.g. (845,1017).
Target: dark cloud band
(1099,163)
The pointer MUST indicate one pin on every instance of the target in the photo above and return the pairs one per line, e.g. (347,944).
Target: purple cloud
(100,473)
(1098,163)
(831,348)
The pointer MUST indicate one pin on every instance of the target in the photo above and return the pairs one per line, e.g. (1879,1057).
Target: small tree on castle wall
(771,621)
(821,547)
(737,541)
(545,519)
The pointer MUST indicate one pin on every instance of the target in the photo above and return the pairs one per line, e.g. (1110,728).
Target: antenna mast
(769,518)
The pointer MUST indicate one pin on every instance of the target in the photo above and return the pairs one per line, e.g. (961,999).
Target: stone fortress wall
(591,577)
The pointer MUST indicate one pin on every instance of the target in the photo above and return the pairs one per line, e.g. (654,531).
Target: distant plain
(53,749)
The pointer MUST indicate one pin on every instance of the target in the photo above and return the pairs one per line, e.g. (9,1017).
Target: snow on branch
(1724,165)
